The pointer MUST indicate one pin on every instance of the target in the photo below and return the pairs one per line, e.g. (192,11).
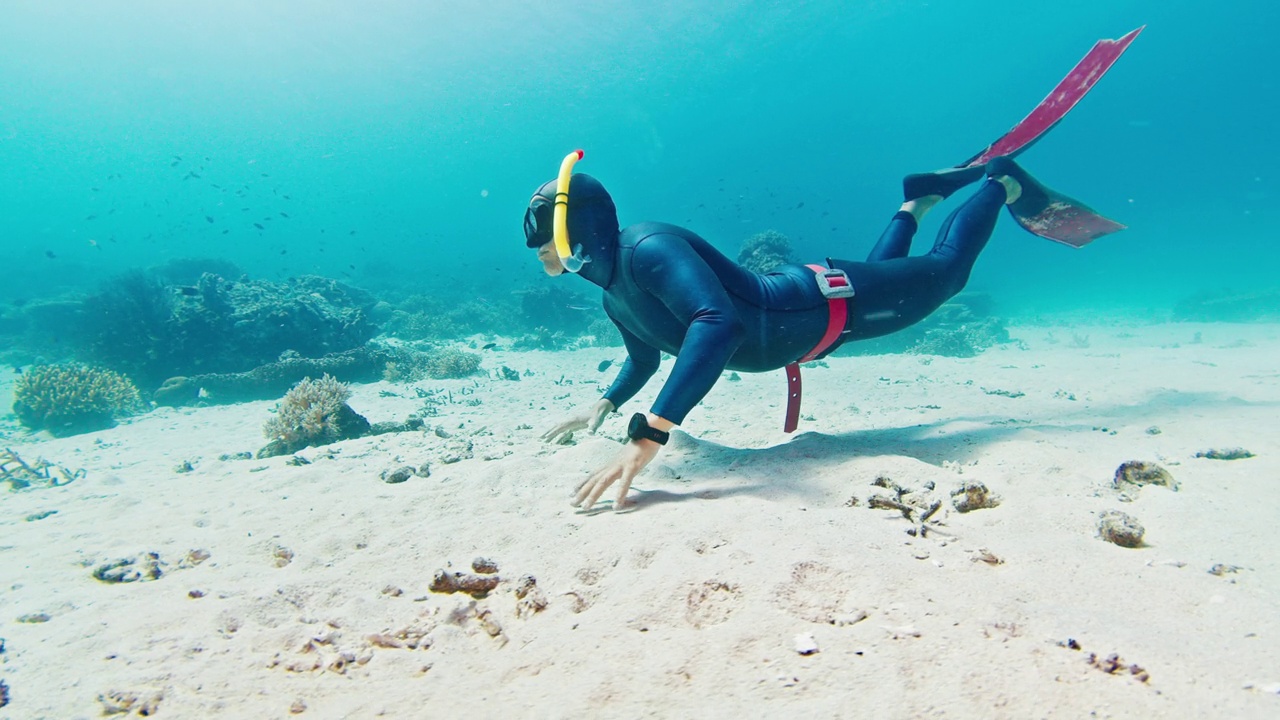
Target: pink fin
(1058,103)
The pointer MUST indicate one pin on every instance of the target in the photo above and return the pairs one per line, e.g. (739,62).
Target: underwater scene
(921,359)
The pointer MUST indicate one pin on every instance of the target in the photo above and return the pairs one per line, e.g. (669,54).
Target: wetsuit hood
(592,221)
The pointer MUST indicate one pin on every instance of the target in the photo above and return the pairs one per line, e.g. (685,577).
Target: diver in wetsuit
(668,290)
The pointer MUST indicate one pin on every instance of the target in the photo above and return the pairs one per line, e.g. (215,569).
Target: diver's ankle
(920,206)
(1012,188)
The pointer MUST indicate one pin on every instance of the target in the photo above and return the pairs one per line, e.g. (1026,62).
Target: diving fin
(1045,212)
(1057,104)
(1055,216)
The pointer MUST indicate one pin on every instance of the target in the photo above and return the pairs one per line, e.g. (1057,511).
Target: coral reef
(765,251)
(141,325)
(314,412)
(70,399)
(439,318)
(438,363)
(543,339)
(363,364)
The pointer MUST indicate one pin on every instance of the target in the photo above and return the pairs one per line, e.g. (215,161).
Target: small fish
(94,243)
(604,365)
(489,346)
(284,252)
(209,219)
(286,197)
(95,189)
(49,254)
(188,290)
(259,226)
(191,174)
(800,205)
(224,232)
(578,307)
(92,217)
(284,215)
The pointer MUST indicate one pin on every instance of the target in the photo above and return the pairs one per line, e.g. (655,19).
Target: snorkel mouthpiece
(572,261)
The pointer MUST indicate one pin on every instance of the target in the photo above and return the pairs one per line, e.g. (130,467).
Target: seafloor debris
(476,586)
(484,566)
(399,475)
(984,555)
(283,556)
(973,496)
(1119,528)
(120,702)
(4,694)
(1222,569)
(21,474)
(1137,473)
(1225,454)
(1113,664)
(530,597)
(920,507)
(140,568)
(805,644)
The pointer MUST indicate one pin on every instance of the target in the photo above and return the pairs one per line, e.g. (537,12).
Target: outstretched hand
(588,420)
(624,467)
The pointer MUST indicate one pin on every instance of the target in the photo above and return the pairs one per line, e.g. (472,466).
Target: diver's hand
(589,419)
(633,458)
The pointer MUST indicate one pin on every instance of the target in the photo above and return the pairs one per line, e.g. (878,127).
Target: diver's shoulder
(634,234)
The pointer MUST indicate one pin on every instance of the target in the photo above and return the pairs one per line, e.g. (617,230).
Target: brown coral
(314,412)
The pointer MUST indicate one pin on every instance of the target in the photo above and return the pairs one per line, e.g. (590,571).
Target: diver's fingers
(596,421)
(623,489)
(597,489)
(578,490)
(585,487)
(558,432)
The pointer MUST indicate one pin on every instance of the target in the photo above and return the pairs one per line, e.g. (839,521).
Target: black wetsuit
(668,290)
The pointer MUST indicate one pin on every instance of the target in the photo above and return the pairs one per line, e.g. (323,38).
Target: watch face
(637,426)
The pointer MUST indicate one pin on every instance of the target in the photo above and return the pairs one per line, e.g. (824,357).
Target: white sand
(689,605)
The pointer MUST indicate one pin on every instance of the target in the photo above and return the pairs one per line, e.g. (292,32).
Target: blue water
(402,139)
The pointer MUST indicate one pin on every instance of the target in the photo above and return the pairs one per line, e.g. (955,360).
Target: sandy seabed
(303,590)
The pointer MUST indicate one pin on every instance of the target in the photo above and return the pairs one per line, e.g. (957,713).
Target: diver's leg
(895,241)
(966,231)
(896,293)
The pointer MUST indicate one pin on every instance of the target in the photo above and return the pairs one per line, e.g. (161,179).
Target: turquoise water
(402,139)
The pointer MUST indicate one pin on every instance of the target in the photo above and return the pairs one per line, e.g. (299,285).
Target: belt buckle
(835,284)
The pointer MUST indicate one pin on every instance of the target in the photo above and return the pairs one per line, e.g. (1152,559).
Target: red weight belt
(837,315)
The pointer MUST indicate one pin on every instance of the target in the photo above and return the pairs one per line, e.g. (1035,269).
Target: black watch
(639,428)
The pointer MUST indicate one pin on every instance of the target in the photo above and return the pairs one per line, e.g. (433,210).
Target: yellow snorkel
(572,261)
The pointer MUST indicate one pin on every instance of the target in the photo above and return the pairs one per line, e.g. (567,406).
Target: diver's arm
(642,363)
(672,271)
